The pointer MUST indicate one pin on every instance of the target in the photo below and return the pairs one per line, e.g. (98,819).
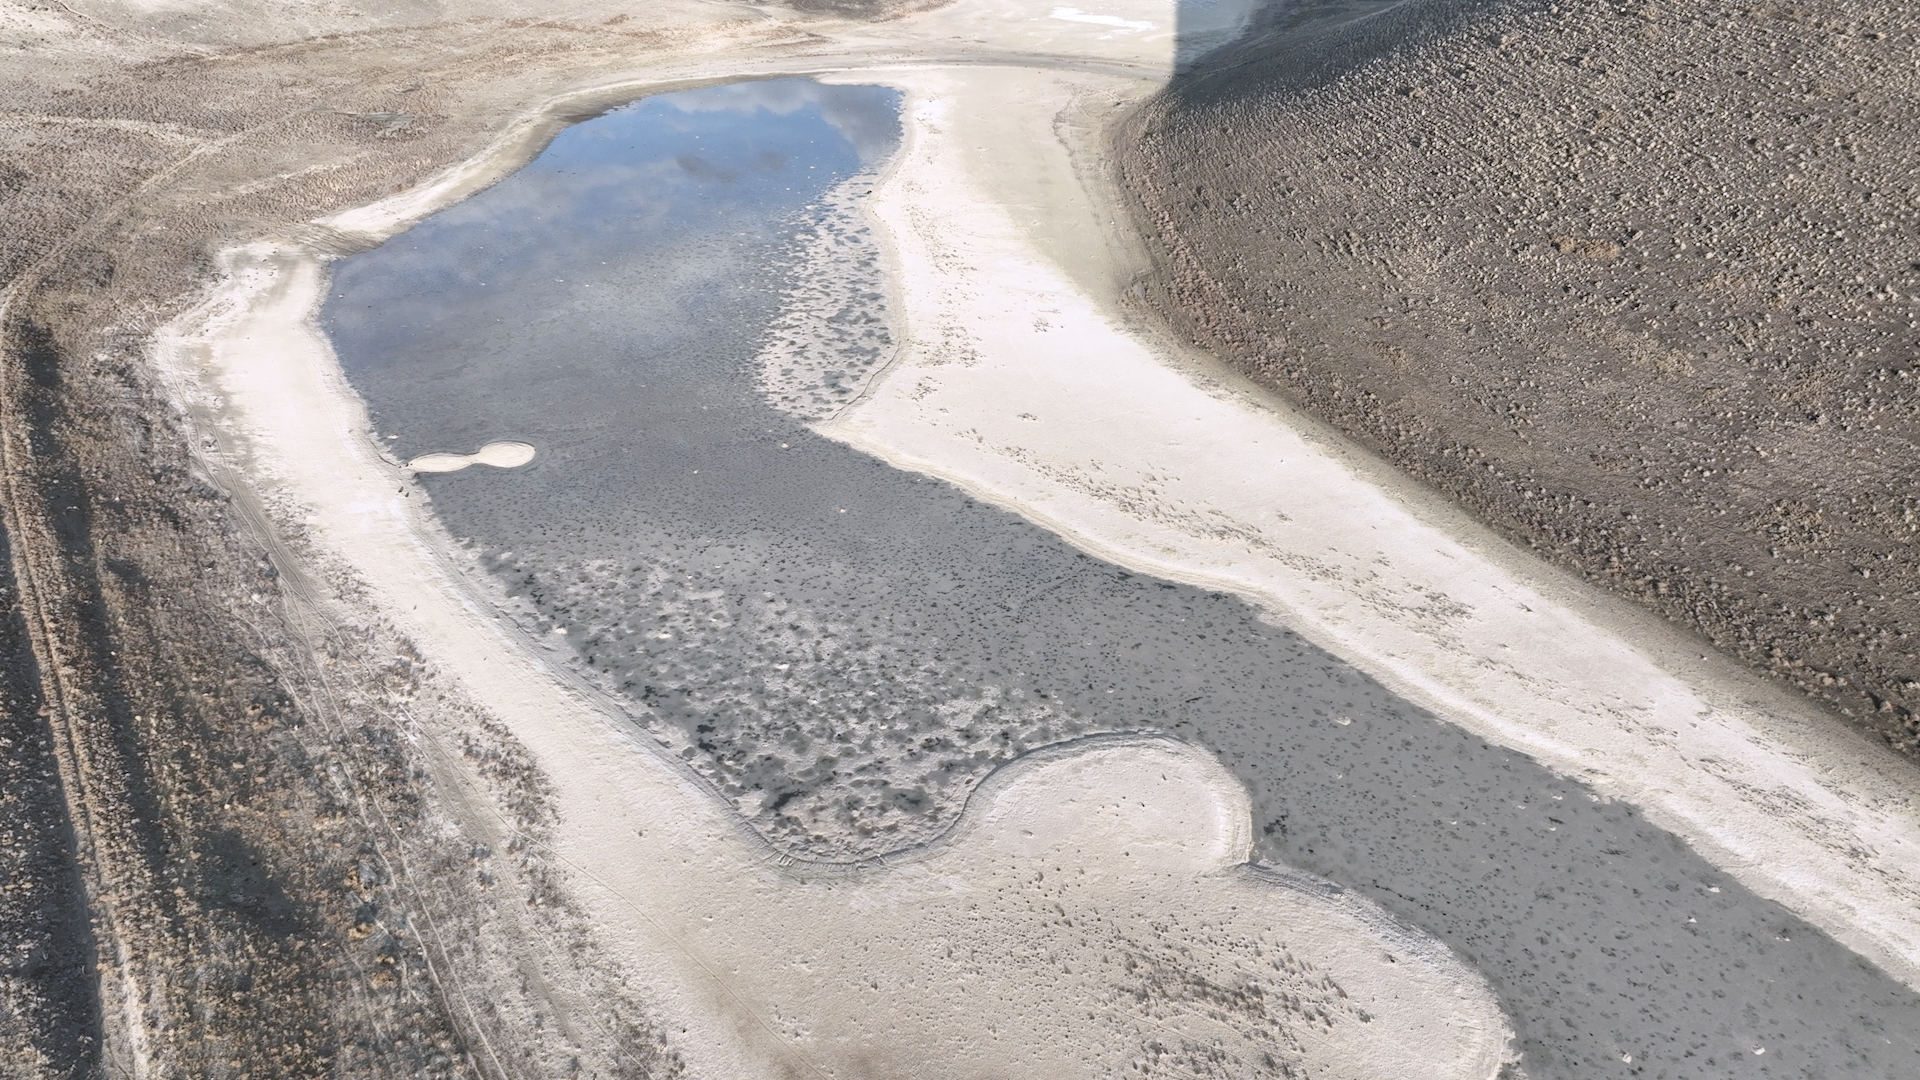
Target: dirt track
(1635,284)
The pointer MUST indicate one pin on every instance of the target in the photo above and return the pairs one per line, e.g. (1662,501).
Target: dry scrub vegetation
(1637,283)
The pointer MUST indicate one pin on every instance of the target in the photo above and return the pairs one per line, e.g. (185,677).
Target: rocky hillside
(1638,284)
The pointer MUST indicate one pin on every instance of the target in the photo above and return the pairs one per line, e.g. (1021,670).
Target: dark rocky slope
(1638,284)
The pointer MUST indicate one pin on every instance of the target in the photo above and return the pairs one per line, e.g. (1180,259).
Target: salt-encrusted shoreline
(766,965)
(1016,383)
(1035,938)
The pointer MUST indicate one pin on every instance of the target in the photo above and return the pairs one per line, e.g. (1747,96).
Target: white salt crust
(500,455)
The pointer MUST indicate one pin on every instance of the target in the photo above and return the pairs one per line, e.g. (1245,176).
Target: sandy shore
(1017,384)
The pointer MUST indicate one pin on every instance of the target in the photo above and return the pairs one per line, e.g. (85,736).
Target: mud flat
(1634,286)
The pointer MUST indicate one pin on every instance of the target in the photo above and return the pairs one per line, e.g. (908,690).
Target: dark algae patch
(843,649)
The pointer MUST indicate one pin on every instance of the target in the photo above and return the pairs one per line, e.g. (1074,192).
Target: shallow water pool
(844,648)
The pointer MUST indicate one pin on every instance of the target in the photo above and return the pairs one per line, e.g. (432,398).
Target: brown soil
(228,849)
(1637,284)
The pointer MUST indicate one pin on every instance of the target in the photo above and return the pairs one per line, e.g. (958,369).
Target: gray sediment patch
(832,335)
(845,649)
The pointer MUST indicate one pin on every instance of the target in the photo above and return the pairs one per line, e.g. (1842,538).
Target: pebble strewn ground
(1637,284)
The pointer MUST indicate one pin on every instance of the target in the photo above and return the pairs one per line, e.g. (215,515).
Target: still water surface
(844,648)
